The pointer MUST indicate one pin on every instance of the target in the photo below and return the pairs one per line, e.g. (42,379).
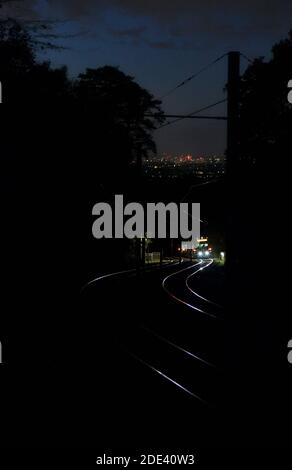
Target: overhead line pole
(233,90)
(232,154)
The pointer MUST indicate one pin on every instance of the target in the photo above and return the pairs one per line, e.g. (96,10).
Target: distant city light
(167,166)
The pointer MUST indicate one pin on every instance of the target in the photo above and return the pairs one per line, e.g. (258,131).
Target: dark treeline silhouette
(258,195)
(265,113)
(265,137)
(105,95)
(264,147)
(66,144)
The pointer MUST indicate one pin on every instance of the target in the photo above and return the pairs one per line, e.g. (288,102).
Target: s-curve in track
(184,353)
(165,326)
(177,286)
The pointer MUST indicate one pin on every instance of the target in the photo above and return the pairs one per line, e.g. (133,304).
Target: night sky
(162,42)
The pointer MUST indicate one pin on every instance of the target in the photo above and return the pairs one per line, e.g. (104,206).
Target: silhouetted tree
(265,141)
(24,79)
(113,106)
(63,159)
(266,115)
(117,124)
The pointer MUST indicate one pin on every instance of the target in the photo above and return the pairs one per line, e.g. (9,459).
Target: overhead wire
(187,80)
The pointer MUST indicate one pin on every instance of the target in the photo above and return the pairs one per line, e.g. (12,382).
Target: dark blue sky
(161,42)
